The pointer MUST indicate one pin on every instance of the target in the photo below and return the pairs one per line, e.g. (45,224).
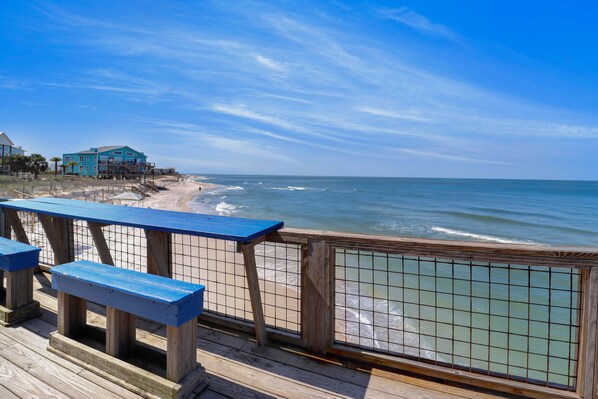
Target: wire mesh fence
(211,262)
(513,321)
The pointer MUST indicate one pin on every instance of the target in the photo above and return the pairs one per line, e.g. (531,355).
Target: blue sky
(488,89)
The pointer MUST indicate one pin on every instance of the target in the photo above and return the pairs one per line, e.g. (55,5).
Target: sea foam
(478,237)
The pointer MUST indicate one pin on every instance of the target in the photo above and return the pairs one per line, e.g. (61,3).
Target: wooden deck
(236,366)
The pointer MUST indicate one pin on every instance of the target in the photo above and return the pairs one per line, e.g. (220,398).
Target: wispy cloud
(291,85)
(269,63)
(450,157)
(412,19)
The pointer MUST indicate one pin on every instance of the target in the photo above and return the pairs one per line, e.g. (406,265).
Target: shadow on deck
(236,367)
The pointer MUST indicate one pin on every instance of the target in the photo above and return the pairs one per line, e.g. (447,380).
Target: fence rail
(520,319)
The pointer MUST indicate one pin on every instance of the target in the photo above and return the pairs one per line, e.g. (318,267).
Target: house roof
(104,149)
(4,140)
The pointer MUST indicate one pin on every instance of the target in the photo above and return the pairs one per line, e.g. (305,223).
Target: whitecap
(235,188)
(225,209)
(479,237)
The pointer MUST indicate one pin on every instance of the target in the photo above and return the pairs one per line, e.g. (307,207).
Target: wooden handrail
(562,256)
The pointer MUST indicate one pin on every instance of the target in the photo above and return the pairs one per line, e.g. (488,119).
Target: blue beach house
(107,162)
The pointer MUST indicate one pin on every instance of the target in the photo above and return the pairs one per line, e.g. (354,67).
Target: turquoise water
(495,320)
(507,211)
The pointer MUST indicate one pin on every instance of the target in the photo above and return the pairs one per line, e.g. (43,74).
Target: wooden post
(59,231)
(317,305)
(587,371)
(120,332)
(181,353)
(253,285)
(100,242)
(19,288)
(72,315)
(158,253)
(15,222)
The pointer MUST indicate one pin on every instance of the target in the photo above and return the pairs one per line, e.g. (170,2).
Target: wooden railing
(354,295)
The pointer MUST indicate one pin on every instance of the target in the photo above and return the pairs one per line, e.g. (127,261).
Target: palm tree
(55,160)
(72,165)
(37,163)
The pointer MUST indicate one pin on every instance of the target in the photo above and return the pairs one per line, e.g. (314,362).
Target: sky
(464,89)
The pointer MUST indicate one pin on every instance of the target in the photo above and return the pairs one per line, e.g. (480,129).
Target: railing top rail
(561,256)
(220,227)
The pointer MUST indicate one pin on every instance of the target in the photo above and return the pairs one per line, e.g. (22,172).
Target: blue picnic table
(246,232)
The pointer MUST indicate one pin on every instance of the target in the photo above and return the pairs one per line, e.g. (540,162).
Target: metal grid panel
(217,265)
(512,321)
(128,245)
(37,236)
(279,268)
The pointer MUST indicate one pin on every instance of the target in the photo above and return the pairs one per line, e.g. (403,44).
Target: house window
(66,159)
(130,154)
(117,152)
(81,158)
(81,168)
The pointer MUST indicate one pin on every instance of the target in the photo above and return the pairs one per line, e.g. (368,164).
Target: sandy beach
(178,194)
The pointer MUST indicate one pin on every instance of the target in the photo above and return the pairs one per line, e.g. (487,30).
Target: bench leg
(72,315)
(181,351)
(19,288)
(120,332)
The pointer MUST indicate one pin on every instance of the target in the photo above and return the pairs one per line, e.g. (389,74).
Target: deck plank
(236,366)
(23,384)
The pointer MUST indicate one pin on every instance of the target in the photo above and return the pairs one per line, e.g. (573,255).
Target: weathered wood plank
(181,356)
(55,238)
(24,384)
(159,253)
(582,257)
(19,288)
(588,349)
(253,286)
(479,380)
(72,315)
(95,229)
(317,305)
(15,222)
(51,373)
(120,332)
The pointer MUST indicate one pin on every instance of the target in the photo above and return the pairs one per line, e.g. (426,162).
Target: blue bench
(126,295)
(18,261)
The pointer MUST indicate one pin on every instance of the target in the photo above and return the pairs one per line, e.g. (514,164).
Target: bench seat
(15,256)
(155,298)
(17,261)
(117,355)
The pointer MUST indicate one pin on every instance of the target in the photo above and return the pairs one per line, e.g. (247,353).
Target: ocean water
(500,211)
(407,305)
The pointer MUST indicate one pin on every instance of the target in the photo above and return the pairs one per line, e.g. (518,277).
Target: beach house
(106,162)
(7,151)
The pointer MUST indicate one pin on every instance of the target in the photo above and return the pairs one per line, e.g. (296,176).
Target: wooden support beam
(317,305)
(19,288)
(72,315)
(181,353)
(120,332)
(100,242)
(15,222)
(158,253)
(587,367)
(56,238)
(253,286)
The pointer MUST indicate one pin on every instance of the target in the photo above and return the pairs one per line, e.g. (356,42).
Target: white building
(7,150)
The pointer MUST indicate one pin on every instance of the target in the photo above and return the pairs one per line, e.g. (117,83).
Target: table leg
(253,286)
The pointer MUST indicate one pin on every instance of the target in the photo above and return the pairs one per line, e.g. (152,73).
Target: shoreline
(177,195)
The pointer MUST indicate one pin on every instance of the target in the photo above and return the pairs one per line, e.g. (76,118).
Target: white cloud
(418,22)
(269,63)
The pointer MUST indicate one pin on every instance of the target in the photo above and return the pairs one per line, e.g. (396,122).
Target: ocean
(490,332)
(501,211)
